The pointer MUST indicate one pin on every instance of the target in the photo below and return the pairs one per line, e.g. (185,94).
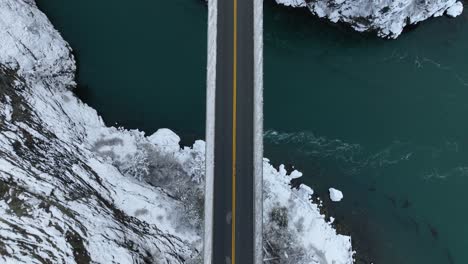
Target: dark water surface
(384,121)
(141,65)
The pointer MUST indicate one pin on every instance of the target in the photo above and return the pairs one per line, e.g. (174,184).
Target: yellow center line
(234,139)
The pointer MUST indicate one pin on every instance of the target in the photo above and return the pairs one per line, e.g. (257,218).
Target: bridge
(234,130)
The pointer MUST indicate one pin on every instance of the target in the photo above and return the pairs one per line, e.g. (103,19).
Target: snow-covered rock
(386,17)
(75,191)
(335,195)
(165,138)
(455,10)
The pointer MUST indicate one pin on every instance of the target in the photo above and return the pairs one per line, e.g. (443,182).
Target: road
(233,227)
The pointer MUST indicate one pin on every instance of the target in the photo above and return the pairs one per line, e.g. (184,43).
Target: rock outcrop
(386,17)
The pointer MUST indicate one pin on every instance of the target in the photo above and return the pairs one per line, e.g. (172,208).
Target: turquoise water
(140,65)
(384,121)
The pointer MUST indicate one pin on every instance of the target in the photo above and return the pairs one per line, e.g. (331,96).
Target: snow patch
(166,140)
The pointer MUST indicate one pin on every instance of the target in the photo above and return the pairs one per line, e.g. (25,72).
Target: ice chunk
(335,195)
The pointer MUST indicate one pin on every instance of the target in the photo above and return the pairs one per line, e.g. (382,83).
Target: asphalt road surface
(233,205)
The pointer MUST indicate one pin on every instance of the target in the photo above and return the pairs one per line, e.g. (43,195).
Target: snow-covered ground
(386,17)
(75,191)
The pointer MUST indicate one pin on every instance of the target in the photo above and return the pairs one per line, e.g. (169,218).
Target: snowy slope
(75,191)
(386,17)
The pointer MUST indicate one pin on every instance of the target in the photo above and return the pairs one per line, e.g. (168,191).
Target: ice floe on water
(335,195)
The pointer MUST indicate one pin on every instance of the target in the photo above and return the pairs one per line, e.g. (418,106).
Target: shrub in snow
(136,165)
(166,140)
(163,169)
(280,244)
(194,164)
(279,215)
(157,163)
